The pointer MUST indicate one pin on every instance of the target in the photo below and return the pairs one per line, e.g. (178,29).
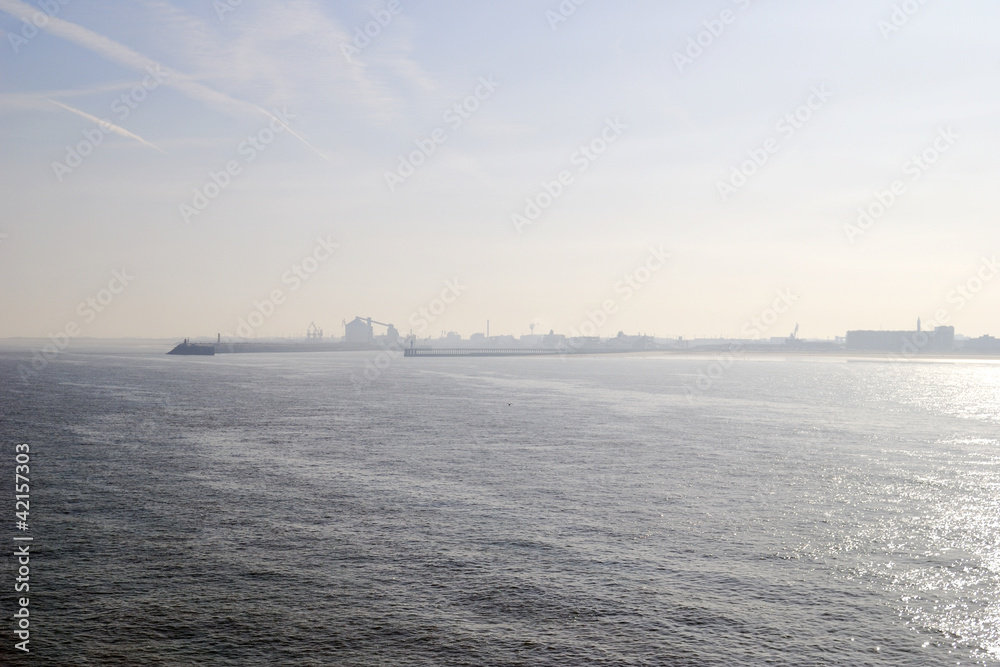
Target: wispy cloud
(127,57)
(38,100)
(121,131)
(264,46)
(132,59)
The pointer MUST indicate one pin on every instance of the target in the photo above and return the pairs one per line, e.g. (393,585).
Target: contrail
(125,56)
(294,134)
(105,123)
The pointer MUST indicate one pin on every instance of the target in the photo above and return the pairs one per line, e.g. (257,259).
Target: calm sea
(266,509)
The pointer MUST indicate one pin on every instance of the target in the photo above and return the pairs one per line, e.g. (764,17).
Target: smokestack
(918,325)
(487,328)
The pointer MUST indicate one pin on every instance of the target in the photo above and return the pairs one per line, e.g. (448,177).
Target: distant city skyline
(382,333)
(665,169)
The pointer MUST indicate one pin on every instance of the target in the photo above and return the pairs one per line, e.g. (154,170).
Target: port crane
(794,337)
(314,332)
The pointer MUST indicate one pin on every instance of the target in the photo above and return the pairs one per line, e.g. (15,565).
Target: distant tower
(918,325)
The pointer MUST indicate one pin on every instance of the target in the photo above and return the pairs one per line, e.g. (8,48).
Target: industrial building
(359,330)
(982,345)
(942,339)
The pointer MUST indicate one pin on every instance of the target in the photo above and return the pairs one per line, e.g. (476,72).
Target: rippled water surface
(260,509)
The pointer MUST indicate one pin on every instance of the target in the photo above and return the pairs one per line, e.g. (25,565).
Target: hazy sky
(116,112)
